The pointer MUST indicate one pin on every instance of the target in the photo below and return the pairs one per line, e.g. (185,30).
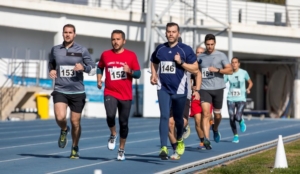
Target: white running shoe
(121,155)
(186,132)
(111,145)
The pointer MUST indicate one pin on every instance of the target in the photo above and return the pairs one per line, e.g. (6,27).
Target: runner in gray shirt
(213,65)
(67,63)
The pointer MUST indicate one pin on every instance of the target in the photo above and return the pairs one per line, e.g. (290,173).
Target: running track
(31,146)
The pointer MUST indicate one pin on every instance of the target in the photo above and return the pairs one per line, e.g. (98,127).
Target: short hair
(69,26)
(210,37)
(118,32)
(199,47)
(171,24)
(236,59)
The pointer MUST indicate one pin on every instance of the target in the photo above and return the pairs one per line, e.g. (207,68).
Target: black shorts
(76,102)
(111,105)
(186,112)
(212,96)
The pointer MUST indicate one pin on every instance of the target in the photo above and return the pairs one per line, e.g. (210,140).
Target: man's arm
(52,63)
(89,64)
(198,77)
(226,70)
(192,68)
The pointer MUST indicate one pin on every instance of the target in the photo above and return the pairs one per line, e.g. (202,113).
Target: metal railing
(9,88)
(243,11)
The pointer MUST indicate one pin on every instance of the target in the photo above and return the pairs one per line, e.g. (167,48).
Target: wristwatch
(182,62)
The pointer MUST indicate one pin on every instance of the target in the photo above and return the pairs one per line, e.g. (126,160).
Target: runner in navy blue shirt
(169,65)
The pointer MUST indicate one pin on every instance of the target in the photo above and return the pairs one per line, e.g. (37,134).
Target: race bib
(207,74)
(67,71)
(235,92)
(117,74)
(167,67)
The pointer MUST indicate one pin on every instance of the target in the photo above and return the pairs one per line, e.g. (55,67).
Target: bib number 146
(167,67)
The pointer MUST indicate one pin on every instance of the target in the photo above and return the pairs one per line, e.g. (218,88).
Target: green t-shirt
(237,88)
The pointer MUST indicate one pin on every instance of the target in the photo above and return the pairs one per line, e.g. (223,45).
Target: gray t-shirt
(211,80)
(63,61)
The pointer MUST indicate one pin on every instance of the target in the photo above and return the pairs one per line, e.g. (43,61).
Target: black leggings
(111,105)
(235,116)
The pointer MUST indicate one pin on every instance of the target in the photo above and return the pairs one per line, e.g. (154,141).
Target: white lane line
(57,128)
(83,131)
(43,125)
(86,138)
(83,149)
(89,165)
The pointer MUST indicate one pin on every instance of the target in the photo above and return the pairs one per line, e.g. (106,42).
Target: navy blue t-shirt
(172,77)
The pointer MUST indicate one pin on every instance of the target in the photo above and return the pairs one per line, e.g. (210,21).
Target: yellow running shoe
(180,147)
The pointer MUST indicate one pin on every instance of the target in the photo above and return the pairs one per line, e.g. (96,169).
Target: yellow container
(42,102)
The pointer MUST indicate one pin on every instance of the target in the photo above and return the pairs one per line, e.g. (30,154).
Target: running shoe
(175,156)
(236,139)
(243,126)
(121,155)
(74,153)
(111,145)
(164,153)
(217,136)
(63,139)
(206,144)
(201,146)
(186,132)
(180,147)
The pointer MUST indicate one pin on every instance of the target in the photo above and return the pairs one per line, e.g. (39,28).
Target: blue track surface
(31,146)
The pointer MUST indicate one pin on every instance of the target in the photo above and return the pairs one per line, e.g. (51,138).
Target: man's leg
(199,129)
(110,104)
(76,104)
(206,116)
(186,127)
(164,101)
(172,138)
(124,111)
(60,110)
(178,105)
(217,103)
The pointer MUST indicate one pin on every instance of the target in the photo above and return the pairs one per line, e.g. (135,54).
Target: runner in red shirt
(121,65)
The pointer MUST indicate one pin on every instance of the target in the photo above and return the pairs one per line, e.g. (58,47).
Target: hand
(126,68)
(78,67)
(248,91)
(153,79)
(53,74)
(196,95)
(99,84)
(213,69)
(177,58)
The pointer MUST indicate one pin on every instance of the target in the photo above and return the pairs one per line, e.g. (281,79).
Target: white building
(264,36)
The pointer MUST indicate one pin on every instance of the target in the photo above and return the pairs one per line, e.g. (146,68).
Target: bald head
(199,50)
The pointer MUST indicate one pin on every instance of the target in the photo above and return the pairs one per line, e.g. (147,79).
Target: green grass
(262,163)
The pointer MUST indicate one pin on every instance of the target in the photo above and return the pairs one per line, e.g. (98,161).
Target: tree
(281,2)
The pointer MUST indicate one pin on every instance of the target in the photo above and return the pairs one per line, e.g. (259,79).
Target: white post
(297,92)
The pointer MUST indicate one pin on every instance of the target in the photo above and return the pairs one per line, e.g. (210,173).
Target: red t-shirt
(118,83)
